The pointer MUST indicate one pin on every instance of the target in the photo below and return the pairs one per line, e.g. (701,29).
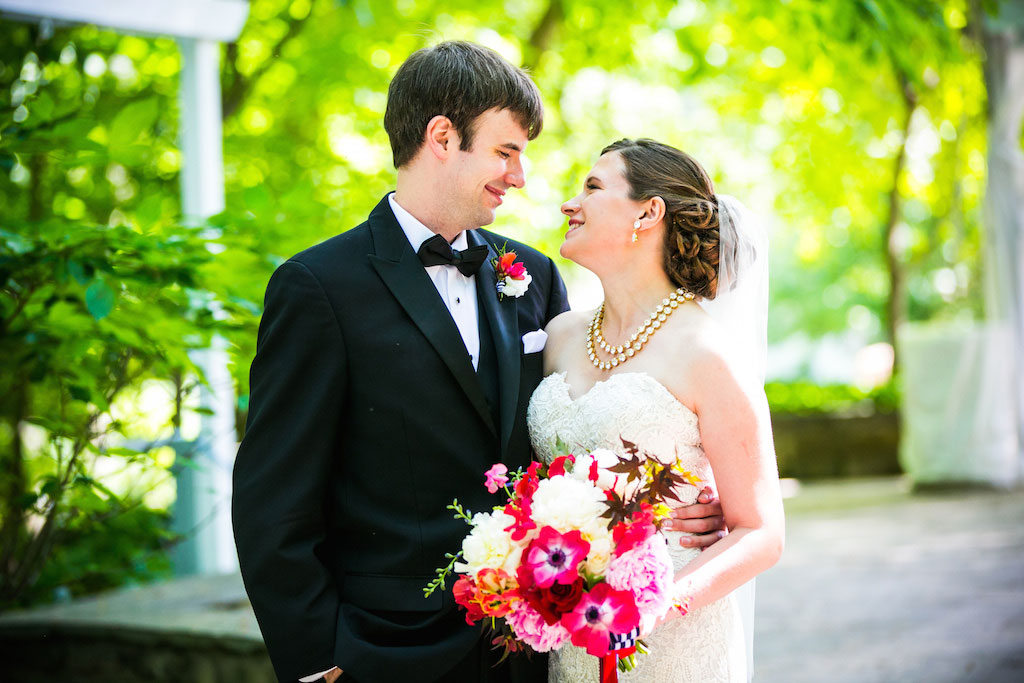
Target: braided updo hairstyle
(653,169)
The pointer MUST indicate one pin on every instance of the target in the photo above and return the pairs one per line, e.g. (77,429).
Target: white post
(202,191)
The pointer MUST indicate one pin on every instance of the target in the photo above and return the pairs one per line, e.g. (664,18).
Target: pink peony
(555,557)
(646,572)
(529,626)
(597,615)
(496,477)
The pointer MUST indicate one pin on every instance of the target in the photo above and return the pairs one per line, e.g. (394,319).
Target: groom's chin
(487,216)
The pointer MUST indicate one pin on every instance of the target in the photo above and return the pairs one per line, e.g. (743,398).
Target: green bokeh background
(856,127)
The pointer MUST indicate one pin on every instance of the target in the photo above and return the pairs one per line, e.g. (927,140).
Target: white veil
(741,303)
(740,306)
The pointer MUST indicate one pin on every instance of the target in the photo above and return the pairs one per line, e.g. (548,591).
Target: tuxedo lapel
(403,274)
(505,329)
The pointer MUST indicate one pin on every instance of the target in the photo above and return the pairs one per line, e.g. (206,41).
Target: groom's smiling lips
(498,194)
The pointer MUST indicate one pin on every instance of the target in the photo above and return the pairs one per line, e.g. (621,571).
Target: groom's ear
(441,138)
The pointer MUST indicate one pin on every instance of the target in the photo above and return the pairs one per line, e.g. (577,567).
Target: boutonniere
(513,280)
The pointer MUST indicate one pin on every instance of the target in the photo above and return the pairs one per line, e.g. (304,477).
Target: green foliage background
(857,126)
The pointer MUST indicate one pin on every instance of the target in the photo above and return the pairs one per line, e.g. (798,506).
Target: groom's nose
(515,175)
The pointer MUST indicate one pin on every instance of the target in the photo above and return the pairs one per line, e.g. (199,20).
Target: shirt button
(458,300)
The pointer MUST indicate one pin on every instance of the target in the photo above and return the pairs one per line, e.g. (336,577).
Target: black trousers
(480,665)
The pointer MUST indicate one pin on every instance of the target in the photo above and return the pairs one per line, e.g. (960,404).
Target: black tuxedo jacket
(366,418)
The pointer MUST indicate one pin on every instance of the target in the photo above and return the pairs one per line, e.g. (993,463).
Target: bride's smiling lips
(573,224)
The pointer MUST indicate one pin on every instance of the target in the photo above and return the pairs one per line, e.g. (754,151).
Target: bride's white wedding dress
(705,646)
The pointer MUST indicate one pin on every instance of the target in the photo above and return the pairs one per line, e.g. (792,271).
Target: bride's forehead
(608,168)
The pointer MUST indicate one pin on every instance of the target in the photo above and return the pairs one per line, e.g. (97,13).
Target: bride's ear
(654,213)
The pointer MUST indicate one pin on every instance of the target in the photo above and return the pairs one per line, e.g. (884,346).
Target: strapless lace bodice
(632,406)
(705,646)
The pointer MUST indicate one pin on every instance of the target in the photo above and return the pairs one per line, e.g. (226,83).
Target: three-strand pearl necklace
(620,354)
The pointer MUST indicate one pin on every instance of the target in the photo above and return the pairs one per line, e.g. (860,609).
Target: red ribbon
(610,668)
(610,664)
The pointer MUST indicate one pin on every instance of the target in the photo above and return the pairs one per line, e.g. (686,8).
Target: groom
(389,375)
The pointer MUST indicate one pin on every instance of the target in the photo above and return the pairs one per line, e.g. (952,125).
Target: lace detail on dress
(707,645)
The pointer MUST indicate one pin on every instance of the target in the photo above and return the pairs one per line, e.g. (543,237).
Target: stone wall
(103,654)
(828,446)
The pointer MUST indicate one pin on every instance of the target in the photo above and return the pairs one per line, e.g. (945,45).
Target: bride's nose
(571,206)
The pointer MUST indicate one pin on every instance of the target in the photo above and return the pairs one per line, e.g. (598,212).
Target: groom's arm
(703,519)
(283,465)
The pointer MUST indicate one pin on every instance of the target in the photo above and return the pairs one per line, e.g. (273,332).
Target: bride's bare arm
(735,430)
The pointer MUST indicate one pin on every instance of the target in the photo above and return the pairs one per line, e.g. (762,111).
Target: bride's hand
(704,519)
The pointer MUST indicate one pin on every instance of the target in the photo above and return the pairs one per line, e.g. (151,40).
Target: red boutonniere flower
(513,280)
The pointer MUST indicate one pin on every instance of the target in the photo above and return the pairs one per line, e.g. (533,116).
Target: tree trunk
(13,513)
(543,34)
(897,308)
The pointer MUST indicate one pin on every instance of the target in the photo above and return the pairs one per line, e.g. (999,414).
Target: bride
(672,361)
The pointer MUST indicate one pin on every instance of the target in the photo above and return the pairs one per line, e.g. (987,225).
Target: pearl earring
(636,226)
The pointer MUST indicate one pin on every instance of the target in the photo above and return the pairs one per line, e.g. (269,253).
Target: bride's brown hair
(653,169)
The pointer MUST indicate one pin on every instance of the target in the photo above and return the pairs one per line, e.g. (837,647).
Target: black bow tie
(437,252)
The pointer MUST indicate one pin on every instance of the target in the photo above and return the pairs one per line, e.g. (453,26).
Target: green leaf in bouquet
(442,573)
(561,448)
(460,512)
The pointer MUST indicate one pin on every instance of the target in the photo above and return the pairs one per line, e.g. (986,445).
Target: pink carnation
(646,572)
(529,626)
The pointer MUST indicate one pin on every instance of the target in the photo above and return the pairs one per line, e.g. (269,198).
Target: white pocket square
(534,341)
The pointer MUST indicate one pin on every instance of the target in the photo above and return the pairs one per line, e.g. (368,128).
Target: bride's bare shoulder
(567,325)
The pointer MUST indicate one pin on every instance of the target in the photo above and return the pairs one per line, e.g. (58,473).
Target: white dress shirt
(457,291)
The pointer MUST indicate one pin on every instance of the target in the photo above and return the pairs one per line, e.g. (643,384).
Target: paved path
(880,586)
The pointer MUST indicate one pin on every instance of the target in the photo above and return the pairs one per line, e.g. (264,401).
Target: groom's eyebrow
(511,145)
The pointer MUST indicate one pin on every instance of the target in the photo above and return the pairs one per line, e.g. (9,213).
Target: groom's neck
(419,192)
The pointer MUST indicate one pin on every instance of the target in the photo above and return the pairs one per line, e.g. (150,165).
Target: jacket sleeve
(297,385)
(558,300)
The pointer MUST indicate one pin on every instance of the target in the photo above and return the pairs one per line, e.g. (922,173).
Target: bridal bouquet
(573,555)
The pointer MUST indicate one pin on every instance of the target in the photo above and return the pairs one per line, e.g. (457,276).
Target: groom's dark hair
(461,81)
